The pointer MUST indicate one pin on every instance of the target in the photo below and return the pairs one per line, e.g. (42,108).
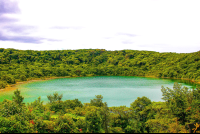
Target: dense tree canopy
(71,116)
(22,65)
(181,105)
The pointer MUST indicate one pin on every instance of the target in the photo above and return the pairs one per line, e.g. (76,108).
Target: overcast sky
(153,25)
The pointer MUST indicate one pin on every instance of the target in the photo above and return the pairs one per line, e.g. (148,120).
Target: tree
(17,98)
(139,105)
(120,116)
(13,107)
(97,102)
(37,105)
(178,100)
(105,117)
(55,97)
(93,119)
(140,113)
(2,84)
(8,78)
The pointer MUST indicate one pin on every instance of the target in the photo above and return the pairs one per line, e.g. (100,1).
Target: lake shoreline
(184,79)
(14,86)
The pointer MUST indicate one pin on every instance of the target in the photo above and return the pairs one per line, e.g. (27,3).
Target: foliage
(93,119)
(141,112)
(71,116)
(98,101)
(181,101)
(55,97)
(9,108)
(18,99)
(22,65)
(36,105)
(181,105)
(3,84)
(14,107)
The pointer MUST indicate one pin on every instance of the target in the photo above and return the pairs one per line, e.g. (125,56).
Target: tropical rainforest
(181,105)
(22,65)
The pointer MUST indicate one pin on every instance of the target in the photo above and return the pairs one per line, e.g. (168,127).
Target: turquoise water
(116,90)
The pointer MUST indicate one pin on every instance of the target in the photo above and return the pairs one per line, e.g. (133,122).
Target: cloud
(54,40)
(127,34)
(66,27)
(6,19)
(127,42)
(49,24)
(7,9)
(9,6)
(19,29)
(11,29)
(23,39)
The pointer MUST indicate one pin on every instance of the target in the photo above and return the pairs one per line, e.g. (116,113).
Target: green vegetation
(181,106)
(22,65)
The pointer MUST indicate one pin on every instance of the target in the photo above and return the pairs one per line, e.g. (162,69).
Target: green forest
(180,106)
(23,65)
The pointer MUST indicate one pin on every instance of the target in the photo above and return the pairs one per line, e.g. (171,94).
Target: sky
(152,25)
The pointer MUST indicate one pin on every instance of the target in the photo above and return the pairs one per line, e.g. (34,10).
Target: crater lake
(116,90)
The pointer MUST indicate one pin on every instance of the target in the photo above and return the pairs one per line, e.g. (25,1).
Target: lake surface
(116,90)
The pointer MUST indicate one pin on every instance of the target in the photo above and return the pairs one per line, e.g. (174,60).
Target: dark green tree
(97,102)
(17,98)
(140,113)
(55,97)
(178,100)
(94,120)
(105,117)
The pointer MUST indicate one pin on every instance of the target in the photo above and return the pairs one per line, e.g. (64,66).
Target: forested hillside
(22,65)
(181,105)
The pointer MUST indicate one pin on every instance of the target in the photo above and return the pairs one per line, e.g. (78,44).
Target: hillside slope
(22,65)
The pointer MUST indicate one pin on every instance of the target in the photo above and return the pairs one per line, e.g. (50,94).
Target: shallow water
(116,90)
